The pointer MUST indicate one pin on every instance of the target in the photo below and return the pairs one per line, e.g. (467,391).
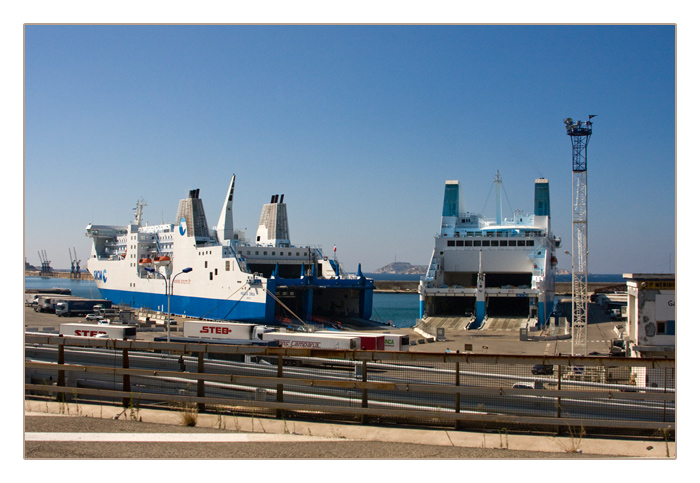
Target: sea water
(78,288)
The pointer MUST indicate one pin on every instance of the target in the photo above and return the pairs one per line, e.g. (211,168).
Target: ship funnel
(451,203)
(192,210)
(273,228)
(224,229)
(542,197)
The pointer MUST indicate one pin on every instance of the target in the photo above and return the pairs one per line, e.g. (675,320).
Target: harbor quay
(490,340)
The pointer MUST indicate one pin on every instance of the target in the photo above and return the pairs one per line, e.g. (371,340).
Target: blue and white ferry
(216,274)
(502,267)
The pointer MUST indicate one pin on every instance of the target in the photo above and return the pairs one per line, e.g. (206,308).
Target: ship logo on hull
(100,275)
(183,226)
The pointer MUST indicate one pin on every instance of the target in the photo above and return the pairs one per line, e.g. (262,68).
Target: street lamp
(168,290)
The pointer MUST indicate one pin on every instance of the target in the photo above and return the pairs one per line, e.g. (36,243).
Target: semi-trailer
(378,341)
(314,340)
(80,306)
(200,329)
(101,331)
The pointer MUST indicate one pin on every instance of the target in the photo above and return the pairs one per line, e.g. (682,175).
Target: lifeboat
(162,260)
(145,262)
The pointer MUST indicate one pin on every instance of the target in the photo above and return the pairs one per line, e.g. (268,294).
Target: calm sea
(401,309)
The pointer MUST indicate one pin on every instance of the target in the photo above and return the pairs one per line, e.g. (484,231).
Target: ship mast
(138,211)
(499,206)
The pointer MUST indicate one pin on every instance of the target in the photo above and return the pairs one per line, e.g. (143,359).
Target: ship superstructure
(484,268)
(269,281)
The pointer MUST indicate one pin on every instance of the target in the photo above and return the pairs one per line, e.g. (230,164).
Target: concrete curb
(605,448)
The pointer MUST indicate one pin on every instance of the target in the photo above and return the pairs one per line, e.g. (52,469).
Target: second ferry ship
(216,274)
(500,267)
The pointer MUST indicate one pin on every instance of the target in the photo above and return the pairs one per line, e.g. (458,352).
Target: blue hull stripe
(190,306)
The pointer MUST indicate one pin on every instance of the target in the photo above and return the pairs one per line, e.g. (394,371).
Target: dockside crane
(77,264)
(45,263)
(580,133)
(74,264)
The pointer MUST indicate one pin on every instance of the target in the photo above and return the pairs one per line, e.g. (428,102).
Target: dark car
(542,370)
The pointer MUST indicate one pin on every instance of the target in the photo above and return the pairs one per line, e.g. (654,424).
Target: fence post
(126,378)
(559,370)
(61,376)
(200,382)
(363,418)
(280,387)
(458,396)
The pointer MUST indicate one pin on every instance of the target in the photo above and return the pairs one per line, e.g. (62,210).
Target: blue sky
(359,127)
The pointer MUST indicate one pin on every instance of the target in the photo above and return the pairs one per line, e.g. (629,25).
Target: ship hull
(199,307)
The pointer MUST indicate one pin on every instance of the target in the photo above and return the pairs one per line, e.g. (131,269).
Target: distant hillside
(403,268)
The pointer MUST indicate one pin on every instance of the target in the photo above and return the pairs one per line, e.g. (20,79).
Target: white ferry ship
(498,267)
(216,274)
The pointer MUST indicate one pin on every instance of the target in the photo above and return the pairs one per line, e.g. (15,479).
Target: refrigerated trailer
(101,331)
(314,340)
(200,329)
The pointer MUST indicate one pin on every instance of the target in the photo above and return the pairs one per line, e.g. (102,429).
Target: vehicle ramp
(501,324)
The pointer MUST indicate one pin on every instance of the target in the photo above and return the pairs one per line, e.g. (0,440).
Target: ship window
(211,276)
(511,243)
(216,271)
(228,266)
(273,254)
(521,243)
(531,243)
(468,243)
(460,243)
(477,243)
(265,253)
(504,243)
(450,243)
(205,264)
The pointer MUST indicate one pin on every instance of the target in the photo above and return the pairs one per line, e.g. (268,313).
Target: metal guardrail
(465,390)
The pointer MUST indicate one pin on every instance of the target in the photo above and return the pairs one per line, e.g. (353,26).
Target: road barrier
(620,396)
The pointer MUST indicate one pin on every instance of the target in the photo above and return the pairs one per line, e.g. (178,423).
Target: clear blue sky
(358,126)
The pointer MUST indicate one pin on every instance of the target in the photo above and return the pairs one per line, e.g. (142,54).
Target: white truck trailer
(202,329)
(102,331)
(314,340)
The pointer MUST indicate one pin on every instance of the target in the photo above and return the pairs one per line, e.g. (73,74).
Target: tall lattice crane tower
(580,133)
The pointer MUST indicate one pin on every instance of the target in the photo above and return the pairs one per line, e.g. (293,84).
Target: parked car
(528,385)
(91,317)
(543,370)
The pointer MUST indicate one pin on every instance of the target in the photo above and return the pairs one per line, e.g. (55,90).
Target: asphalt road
(272,448)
